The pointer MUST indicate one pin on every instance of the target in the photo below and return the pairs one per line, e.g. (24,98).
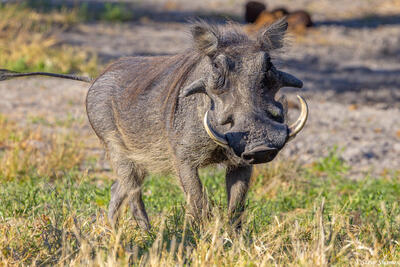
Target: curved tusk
(218,138)
(296,127)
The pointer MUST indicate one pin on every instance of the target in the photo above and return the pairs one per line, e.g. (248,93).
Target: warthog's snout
(260,154)
(257,139)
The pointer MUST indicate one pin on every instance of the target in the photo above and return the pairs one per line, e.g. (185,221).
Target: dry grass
(31,152)
(51,212)
(28,42)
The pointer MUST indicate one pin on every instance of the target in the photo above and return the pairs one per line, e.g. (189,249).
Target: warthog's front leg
(237,185)
(193,190)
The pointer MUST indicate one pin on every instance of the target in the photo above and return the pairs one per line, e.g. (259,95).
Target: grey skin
(149,112)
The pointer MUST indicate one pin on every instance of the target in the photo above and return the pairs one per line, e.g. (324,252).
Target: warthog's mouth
(261,153)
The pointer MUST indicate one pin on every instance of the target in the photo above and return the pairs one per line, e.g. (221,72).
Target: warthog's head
(241,82)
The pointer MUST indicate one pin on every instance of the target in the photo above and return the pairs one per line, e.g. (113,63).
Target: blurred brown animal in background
(264,19)
(298,20)
(253,10)
(280,12)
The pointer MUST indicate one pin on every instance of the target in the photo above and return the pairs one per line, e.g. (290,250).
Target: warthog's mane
(229,35)
(177,68)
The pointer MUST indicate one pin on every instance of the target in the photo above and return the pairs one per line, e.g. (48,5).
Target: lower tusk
(296,127)
(218,138)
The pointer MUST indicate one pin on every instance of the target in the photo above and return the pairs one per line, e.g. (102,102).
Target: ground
(345,161)
(349,64)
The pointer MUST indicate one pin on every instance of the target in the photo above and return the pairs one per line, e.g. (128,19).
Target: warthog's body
(135,119)
(148,112)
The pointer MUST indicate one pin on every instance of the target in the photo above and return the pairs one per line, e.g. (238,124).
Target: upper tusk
(218,138)
(296,127)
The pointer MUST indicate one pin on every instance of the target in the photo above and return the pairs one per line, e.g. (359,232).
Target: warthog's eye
(275,111)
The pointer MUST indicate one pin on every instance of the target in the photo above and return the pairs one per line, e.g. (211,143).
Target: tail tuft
(7,74)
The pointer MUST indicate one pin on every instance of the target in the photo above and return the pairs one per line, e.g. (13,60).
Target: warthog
(214,103)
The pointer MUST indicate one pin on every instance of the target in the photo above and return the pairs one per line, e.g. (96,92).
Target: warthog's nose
(259,154)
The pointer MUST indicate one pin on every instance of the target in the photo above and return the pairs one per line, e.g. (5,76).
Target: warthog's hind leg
(138,210)
(237,185)
(127,188)
(135,202)
(115,203)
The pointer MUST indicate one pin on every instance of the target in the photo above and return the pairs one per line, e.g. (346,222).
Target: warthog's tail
(8,74)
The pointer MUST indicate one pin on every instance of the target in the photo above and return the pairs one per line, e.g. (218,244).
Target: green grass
(116,13)
(53,211)
(368,205)
(29,30)
(84,12)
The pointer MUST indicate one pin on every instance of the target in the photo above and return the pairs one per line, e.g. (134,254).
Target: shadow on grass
(324,76)
(126,11)
(370,21)
(133,11)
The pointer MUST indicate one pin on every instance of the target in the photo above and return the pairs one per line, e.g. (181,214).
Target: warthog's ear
(195,87)
(273,36)
(205,38)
